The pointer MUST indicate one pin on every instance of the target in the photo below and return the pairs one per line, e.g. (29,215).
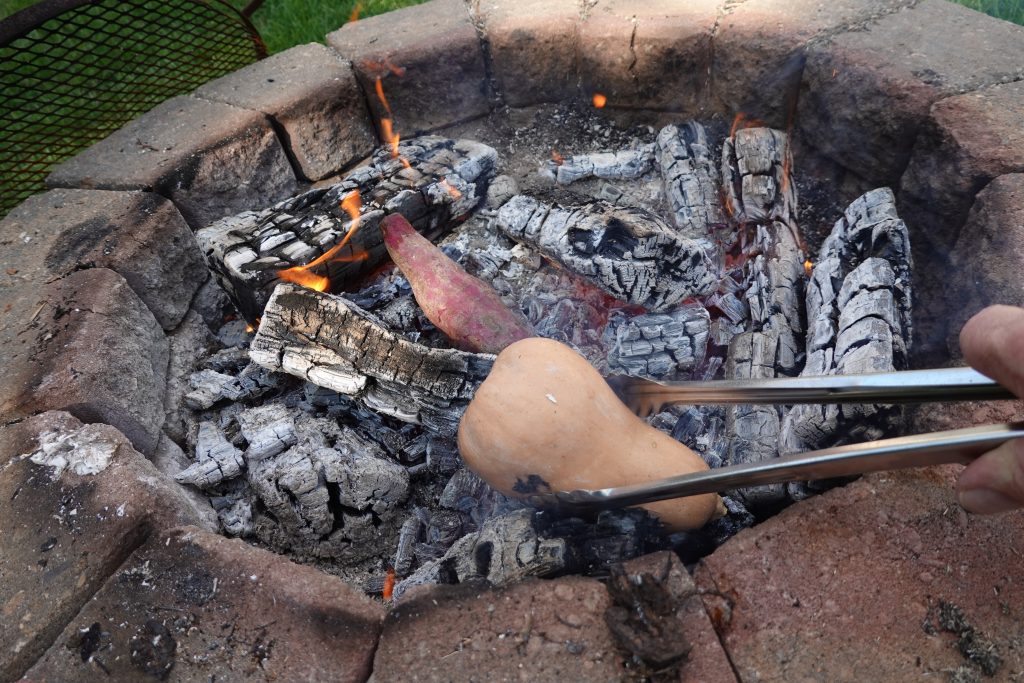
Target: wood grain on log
(443,182)
(629,253)
(859,320)
(329,341)
(691,179)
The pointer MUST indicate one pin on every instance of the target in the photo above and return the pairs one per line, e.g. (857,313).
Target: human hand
(993,344)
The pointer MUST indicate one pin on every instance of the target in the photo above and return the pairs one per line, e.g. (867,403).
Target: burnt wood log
(629,253)
(859,320)
(755,169)
(691,179)
(435,183)
(623,164)
(329,341)
(657,345)
(217,459)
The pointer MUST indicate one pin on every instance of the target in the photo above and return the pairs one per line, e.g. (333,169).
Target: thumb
(995,481)
(993,343)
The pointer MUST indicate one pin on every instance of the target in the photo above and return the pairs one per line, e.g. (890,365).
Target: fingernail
(986,501)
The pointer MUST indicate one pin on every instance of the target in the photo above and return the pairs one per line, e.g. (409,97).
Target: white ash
(657,345)
(84,450)
(691,179)
(217,459)
(618,165)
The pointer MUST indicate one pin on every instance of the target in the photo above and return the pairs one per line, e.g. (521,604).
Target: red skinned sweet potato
(465,308)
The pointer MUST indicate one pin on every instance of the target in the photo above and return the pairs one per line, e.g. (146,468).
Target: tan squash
(544,418)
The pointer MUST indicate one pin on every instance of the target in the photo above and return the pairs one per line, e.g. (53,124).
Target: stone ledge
(193,606)
(892,71)
(650,55)
(429,60)
(85,344)
(139,235)
(64,533)
(967,141)
(313,96)
(759,48)
(211,159)
(847,585)
(533,46)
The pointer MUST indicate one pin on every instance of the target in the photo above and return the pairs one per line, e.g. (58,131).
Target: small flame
(249,329)
(557,158)
(354,16)
(387,130)
(302,275)
(808,267)
(741,121)
(600,100)
(389,583)
(452,192)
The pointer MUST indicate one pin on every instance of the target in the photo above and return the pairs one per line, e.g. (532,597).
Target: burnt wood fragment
(859,320)
(691,179)
(435,182)
(657,345)
(628,252)
(329,341)
(620,165)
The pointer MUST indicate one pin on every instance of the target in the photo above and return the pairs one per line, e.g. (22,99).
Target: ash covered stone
(628,252)
(657,345)
(442,181)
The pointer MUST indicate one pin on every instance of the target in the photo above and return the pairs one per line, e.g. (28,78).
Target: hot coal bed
(321,423)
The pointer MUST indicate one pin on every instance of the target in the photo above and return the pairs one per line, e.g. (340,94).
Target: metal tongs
(955,446)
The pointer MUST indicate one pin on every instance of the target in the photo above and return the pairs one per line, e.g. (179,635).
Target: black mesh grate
(72,72)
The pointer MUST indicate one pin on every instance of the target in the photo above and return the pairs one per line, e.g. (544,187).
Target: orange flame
(452,192)
(741,121)
(387,130)
(787,163)
(354,16)
(302,275)
(808,267)
(557,158)
(600,100)
(389,583)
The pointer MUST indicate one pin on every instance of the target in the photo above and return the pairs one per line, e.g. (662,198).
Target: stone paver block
(85,344)
(212,159)
(139,235)
(707,660)
(651,55)
(194,606)
(967,141)
(759,50)
(429,60)
(866,92)
(860,584)
(67,525)
(314,97)
(534,48)
(533,631)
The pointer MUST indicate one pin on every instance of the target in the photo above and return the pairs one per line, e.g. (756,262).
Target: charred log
(621,165)
(329,341)
(435,182)
(859,320)
(629,253)
(657,345)
(690,179)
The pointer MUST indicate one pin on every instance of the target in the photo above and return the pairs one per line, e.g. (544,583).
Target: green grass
(1011,10)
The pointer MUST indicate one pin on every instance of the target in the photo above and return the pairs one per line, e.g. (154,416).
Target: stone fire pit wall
(104,293)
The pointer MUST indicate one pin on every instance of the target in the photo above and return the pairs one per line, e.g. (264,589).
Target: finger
(995,481)
(993,344)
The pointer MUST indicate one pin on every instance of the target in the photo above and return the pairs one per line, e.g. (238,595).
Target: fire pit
(589,163)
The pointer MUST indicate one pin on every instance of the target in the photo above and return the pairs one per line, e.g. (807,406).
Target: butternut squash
(545,419)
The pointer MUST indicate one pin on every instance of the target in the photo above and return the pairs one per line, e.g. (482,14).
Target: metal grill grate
(74,71)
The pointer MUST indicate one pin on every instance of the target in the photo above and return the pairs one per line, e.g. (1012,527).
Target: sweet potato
(465,308)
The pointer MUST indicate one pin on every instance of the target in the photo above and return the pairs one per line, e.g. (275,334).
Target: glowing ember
(600,100)
(452,192)
(389,583)
(557,158)
(808,267)
(303,275)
